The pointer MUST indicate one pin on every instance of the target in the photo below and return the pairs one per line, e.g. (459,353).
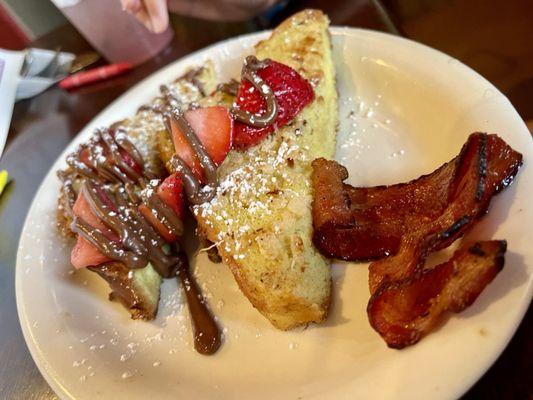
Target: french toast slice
(260,218)
(138,290)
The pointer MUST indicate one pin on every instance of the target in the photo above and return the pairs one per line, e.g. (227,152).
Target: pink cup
(115,34)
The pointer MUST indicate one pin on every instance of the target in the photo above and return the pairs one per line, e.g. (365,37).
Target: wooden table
(42,127)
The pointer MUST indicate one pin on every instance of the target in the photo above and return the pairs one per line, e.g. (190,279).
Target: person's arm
(152,13)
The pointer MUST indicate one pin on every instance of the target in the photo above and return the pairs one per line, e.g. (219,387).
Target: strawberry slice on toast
(214,128)
(292,93)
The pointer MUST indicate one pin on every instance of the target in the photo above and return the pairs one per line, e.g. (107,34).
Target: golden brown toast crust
(306,312)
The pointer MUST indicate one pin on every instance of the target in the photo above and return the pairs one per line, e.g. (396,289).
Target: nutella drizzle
(168,99)
(207,337)
(231,87)
(67,190)
(140,243)
(193,76)
(161,211)
(105,161)
(109,188)
(196,194)
(249,72)
(108,185)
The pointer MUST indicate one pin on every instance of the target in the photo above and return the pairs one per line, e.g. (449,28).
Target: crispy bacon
(359,224)
(407,222)
(402,312)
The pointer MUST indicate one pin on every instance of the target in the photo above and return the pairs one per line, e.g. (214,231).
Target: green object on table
(3,180)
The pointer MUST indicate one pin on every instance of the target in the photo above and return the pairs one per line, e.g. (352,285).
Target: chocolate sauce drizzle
(207,337)
(139,244)
(231,87)
(196,194)
(249,72)
(109,185)
(193,76)
(169,108)
(104,159)
(168,100)
(161,211)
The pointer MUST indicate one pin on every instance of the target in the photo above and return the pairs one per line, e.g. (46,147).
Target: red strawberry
(292,94)
(82,209)
(85,157)
(130,161)
(84,254)
(214,128)
(171,192)
(126,157)
(158,225)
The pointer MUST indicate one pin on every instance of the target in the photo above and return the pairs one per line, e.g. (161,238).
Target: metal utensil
(26,64)
(50,71)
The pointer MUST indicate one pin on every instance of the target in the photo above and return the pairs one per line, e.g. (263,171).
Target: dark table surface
(493,38)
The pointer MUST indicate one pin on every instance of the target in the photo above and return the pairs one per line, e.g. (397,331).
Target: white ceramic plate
(413,108)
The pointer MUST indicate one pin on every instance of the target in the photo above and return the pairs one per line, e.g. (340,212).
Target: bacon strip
(358,224)
(402,312)
(409,221)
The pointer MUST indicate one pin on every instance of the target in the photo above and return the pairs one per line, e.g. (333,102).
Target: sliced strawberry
(84,254)
(214,128)
(185,152)
(171,192)
(130,161)
(85,157)
(158,225)
(126,157)
(82,209)
(292,94)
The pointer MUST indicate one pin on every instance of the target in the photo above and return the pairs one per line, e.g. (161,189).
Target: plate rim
(337,30)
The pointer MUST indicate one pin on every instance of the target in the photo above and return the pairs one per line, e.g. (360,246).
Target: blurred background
(494,37)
